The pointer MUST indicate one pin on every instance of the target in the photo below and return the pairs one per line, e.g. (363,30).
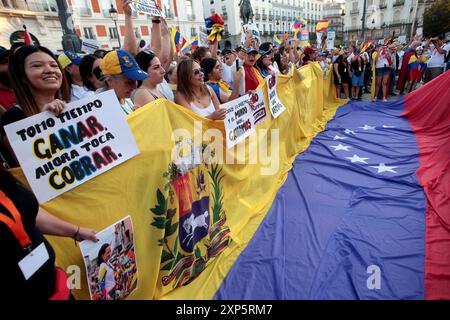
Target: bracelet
(76,233)
(156,21)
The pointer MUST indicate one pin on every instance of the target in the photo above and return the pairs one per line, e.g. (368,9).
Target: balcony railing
(354,11)
(257,16)
(270,17)
(399,3)
(277,17)
(264,17)
(191,17)
(224,15)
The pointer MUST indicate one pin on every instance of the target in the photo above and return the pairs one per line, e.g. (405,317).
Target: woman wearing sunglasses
(147,90)
(264,64)
(213,77)
(91,73)
(194,94)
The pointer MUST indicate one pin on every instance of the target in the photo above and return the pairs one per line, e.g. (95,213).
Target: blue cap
(251,50)
(120,62)
(68,57)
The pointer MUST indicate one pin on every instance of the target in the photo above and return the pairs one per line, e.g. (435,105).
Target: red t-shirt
(7,98)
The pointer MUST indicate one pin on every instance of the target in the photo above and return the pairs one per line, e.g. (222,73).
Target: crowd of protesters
(33,79)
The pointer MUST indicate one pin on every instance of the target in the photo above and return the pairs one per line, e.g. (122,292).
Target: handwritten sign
(146,6)
(275,105)
(242,116)
(58,153)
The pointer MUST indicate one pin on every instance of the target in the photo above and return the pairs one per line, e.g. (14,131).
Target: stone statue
(246,11)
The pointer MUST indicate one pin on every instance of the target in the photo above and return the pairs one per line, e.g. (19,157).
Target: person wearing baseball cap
(69,61)
(227,65)
(121,72)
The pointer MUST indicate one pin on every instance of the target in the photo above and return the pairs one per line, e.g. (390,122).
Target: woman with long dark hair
(213,78)
(341,75)
(194,94)
(106,277)
(39,84)
(91,73)
(22,225)
(147,90)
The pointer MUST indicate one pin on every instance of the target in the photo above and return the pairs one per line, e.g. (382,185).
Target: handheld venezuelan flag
(190,45)
(276,41)
(299,22)
(175,37)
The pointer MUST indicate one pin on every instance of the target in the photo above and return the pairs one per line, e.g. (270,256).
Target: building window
(88,33)
(193,32)
(113,33)
(137,33)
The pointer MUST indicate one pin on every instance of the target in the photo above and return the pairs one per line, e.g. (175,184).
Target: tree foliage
(436,19)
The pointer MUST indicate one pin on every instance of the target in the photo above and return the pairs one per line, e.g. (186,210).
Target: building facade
(40,17)
(383,18)
(270,16)
(333,11)
(92,20)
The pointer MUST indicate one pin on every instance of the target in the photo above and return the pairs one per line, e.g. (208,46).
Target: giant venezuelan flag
(352,202)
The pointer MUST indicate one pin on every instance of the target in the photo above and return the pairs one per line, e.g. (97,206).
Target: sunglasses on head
(197,71)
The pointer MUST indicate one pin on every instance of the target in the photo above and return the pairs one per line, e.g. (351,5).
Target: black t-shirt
(41,285)
(12,115)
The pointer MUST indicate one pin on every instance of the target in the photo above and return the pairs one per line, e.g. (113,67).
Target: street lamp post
(342,23)
(114,16)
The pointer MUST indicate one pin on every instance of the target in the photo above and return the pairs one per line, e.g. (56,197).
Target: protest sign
(89,45)
(275,105)
(331,36)
(146,6)
(243,115)
(57,153)
(111,266)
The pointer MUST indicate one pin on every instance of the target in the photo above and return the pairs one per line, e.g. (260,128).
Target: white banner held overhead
(89,45)
(146,6)
(275,105)
(331,35)
(58,153)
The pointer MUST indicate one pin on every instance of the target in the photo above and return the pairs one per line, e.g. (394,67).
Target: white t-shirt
(78,92)
(382,61)
(350,57)
(227,73)
(165,89)
(436,59)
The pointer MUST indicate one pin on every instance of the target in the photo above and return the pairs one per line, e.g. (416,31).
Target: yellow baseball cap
(120,62)
(68,57)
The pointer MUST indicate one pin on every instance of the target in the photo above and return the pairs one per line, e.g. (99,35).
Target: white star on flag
(348,131)
(384,168)
(340,147)
(356,159)
(336,137)
(367,127)
(385,126)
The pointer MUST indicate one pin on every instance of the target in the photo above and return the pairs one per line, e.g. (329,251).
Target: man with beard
(7,96)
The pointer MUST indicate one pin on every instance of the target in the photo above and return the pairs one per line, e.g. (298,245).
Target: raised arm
(156,43)
(167,49)
(130,41)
